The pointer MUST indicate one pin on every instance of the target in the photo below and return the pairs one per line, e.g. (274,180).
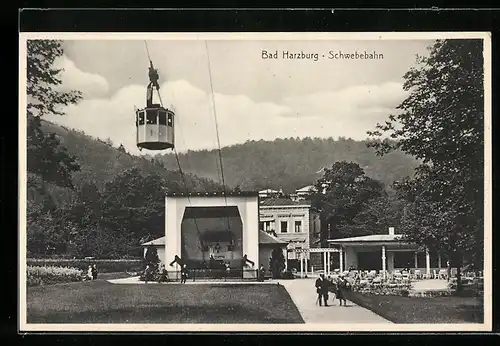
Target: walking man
(184,274)
(322,286)
(94,272)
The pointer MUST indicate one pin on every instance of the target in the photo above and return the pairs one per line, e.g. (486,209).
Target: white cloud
(239,118)
(91,85)
(355,102)
(348,112)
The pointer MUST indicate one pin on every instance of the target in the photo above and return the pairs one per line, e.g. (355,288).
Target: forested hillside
(290,163)
(100,161)
(111,203)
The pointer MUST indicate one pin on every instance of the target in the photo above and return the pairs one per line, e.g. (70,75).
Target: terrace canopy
(385,252)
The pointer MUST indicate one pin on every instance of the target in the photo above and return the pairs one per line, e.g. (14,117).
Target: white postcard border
(32,327)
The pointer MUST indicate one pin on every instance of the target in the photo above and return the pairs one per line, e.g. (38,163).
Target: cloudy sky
(255,98)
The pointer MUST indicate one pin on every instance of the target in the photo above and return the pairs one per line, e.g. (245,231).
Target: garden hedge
(103,265)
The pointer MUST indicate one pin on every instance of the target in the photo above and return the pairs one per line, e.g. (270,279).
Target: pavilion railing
(194,275)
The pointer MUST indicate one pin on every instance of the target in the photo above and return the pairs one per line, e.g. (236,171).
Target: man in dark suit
(184,274)
(322,286)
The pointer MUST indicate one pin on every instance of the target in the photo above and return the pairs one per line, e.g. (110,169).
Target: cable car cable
(177,158)
(217,131)
(147,50)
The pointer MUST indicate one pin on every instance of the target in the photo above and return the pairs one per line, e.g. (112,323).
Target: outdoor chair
(363,282)
(442,274)
(418,274)
(427,276)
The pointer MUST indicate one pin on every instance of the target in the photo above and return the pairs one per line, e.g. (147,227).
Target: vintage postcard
(255,182)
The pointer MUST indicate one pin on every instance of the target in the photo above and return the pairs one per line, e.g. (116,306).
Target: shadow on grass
(171,314)
(470,313)
(399,309)
(102,302)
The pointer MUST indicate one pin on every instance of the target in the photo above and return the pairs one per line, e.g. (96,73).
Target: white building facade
(293,222)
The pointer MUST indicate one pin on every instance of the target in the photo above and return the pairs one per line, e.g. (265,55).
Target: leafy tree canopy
(441,122)
(46,156)
(43,79)
(342,194)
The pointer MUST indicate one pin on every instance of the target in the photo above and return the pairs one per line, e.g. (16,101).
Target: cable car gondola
(154,124)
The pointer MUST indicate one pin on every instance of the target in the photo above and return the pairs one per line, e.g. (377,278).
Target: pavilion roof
(264,238)
(159,241)
(374,238)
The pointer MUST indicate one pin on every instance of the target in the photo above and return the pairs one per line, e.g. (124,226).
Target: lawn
(422,309)
(102,302)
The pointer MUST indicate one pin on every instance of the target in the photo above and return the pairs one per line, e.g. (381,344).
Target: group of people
(324,286)
(91,272)
(160,274)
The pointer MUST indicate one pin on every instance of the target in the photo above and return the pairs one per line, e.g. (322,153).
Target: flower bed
(40,275)
(103,266)
(384,289)
(433,293)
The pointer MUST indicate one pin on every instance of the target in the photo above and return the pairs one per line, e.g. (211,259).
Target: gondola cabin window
(151,117)
(170,120)
(140,118)
(162,118)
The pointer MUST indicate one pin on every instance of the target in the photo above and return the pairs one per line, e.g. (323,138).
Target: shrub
(40,275)
(103,266)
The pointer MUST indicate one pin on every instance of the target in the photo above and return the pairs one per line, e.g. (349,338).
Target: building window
(298,226)
(267,226)
(284,227)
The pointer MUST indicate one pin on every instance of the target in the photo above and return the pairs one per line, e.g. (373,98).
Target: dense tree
(342,194)
(43,79)
(48,162)
(134,204)
(151,256)
(441,124)
(377,216)
(46,156)
(277,263)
